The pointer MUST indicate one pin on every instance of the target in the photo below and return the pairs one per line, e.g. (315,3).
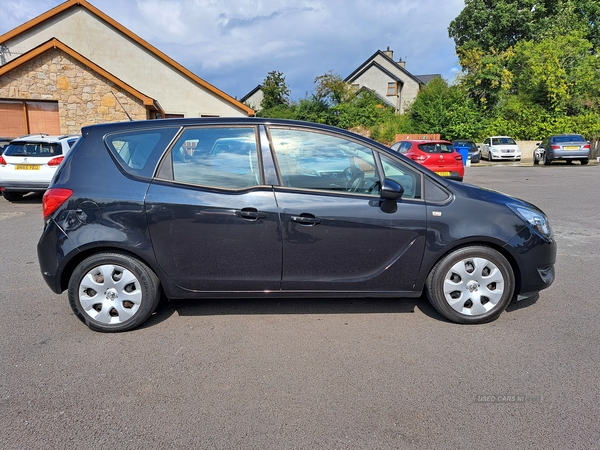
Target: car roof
(427,141)
(44,138)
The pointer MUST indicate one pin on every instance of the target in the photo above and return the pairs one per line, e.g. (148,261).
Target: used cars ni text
(562,147)
(248,207)
(438,156)
(28,163)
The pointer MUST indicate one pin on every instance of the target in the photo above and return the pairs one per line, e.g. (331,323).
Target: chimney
(402,63)
(389,53)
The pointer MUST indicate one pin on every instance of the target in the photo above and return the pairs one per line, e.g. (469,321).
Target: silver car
(565,147)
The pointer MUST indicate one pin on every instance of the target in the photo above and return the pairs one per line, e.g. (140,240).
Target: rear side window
(216,157)
(33,149)
(139,151)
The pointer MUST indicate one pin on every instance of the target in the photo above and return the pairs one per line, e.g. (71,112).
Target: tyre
(584,161)
(12,196)
(547,160)
(112,292)
(471,285)
(490,156)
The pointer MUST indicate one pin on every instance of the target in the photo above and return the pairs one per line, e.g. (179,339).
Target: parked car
(4,141)
(500,148)
(28,163)
(562,147)
(437,155)
(471,147)
(126,220)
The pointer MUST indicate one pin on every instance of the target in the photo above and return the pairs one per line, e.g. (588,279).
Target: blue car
(249,207)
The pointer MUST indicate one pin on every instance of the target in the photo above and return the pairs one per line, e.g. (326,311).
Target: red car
(437,155)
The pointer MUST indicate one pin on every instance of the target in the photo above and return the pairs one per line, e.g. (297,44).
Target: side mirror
(390,190)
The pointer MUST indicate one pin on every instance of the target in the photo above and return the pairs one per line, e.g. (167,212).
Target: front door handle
(306,219)
(251,214)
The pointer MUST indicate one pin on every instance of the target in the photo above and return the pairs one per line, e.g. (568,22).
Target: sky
(234,44)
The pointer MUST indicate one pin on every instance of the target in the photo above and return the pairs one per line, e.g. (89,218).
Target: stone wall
(84,97)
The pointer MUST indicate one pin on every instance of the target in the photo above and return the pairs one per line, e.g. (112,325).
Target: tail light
(587,146)
(2,161)
(55,161)
(418,158)
(458,157)
(555,147)
(53,199)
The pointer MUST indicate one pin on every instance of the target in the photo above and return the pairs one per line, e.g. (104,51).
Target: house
(74,65)
(254,98)
(389,80)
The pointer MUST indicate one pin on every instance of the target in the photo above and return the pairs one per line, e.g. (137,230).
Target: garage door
(25,117)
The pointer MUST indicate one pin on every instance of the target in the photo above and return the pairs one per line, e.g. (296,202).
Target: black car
(471,147)
(247,207)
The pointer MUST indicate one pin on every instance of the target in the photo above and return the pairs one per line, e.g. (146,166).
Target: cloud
(233,44)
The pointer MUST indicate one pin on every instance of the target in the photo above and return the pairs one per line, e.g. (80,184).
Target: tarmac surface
(313,373)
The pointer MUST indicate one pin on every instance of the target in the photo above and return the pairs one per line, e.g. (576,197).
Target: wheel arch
(69,268)
(495,245)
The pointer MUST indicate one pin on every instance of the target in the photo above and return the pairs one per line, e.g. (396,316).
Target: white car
(29,162)
(500,148)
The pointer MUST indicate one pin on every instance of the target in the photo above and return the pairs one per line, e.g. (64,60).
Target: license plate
(27,167)
(571,147)
(443,174)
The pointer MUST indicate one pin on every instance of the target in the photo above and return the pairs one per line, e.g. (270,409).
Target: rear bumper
(570,154)
(23,186)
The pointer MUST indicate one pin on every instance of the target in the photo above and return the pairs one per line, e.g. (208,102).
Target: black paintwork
(271,239)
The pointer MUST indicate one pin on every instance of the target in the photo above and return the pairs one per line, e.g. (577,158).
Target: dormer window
(392,88)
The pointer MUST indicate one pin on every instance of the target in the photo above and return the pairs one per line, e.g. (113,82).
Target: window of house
(392,88)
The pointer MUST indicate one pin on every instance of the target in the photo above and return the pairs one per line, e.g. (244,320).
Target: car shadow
(285,306)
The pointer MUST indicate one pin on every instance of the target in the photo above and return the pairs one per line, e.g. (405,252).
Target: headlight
(538,221)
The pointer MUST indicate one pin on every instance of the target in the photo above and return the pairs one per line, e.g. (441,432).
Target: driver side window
(309,160)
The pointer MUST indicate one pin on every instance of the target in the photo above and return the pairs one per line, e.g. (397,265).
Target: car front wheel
(471,285)
(112,292)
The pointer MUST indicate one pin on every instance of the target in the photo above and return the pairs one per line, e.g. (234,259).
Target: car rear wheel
(12,196)
(113,292)
(471,285)
(547,160)
(584,161)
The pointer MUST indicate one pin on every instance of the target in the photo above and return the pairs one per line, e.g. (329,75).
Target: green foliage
(444,109)
(531,67)
(331,89)
(275,91)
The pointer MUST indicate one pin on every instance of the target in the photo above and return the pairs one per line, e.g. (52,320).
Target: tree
(275,91)
(331,89)
(558,73)
(444,109)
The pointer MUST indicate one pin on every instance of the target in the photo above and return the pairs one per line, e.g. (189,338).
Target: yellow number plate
(27,167)
(571,147)
(443,174)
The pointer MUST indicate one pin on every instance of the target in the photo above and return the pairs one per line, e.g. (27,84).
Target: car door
(485,148)
(337,232)
(214,224)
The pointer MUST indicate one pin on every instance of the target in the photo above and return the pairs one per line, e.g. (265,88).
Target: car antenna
(130,119)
